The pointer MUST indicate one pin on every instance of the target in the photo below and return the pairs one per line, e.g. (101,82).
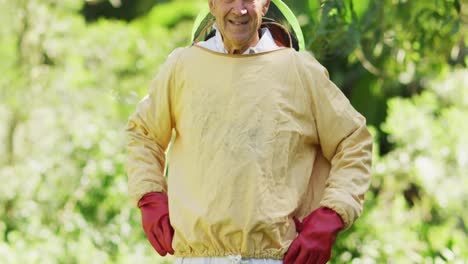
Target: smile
(238,22)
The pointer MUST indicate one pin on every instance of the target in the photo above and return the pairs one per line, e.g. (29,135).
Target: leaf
(457,6)
(455,28)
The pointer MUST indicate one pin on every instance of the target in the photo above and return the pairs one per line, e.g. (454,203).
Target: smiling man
(270,160)
(239,23)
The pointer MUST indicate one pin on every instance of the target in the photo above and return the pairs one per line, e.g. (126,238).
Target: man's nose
(239,8)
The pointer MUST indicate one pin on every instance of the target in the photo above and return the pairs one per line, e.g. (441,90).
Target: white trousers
(226,260)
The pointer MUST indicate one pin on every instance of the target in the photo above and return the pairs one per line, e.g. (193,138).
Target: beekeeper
(270,160)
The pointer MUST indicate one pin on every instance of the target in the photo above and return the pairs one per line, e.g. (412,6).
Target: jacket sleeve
(345,142)
(149,131)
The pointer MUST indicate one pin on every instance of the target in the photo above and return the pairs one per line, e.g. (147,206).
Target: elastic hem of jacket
(259,255)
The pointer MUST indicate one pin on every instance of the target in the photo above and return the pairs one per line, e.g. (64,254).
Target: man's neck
(242,49)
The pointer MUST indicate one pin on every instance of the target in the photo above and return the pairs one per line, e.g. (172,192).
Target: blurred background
(72,72)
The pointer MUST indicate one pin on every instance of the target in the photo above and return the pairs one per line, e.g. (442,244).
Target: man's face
(239,21)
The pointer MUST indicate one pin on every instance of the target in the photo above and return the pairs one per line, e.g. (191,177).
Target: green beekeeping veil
(278,12)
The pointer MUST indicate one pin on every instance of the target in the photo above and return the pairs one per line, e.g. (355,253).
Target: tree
(67,90)
(415,211)
(375,50)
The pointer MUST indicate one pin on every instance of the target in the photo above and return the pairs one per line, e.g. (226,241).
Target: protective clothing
(266,138)
(156,224)
(226,260)
(316,236)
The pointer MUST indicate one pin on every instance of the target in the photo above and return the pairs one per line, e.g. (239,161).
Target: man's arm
(344,140)
(347,145)
(149,134)
(149,131)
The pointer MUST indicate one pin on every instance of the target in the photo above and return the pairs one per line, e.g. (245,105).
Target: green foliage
(416,205)
(67,91)
(383,48)
(68,86)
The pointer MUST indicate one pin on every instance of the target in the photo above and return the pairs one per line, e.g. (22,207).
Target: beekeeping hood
(280,20)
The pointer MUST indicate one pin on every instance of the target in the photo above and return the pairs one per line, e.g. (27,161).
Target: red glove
(317,233)
(155,219)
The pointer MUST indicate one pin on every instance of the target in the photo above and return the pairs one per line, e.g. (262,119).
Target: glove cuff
(324,218)
(156,199)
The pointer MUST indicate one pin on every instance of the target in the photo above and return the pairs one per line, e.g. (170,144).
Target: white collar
(266,43)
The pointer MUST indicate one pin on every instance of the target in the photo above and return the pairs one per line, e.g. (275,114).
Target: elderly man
(263,140)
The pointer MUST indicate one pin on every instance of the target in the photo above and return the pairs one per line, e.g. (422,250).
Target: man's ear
(265,7)
(211,4)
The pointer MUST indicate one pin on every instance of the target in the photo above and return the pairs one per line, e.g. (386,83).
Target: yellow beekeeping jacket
(259,139)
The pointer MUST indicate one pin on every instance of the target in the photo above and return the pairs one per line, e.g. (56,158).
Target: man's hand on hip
(155,218)
(317,233)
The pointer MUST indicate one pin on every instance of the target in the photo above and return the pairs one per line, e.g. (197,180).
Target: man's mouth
(238,23)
